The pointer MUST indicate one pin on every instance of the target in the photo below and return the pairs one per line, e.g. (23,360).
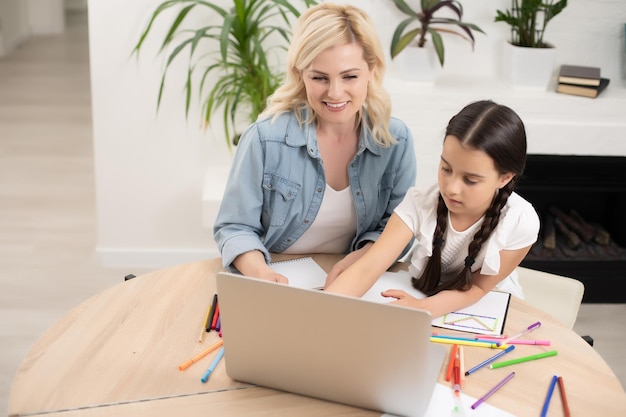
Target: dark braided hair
(499,132)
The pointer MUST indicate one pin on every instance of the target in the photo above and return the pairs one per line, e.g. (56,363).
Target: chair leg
(588,339)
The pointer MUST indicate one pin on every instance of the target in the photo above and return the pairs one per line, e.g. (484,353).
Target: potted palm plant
(430,25)
(528,58)
(239,76)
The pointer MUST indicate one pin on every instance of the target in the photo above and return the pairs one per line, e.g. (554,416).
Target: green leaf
(438,44)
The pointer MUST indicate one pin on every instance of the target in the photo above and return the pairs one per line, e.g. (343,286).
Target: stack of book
(581,81)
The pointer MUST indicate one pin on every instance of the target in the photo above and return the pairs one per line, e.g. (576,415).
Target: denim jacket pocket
(279,194)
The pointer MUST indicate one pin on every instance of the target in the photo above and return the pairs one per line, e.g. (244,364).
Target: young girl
(471,230)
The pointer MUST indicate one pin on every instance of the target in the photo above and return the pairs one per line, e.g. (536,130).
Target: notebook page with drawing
(328,346)
(487,316)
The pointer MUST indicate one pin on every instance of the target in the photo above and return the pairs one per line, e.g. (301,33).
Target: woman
(325,165)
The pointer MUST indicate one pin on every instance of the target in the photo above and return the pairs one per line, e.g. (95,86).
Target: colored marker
(493,340)
(213,307)
(216,316)
(451,362)
(467,343)
(520,334)
(209,371)
(523,359)
(206,320)
(462,366)
(457,374)
(491,359)
(546,403)
(200,355)
(493,390)
(566,411)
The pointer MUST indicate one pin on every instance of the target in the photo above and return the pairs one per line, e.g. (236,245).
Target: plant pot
(528,68)
(419,64)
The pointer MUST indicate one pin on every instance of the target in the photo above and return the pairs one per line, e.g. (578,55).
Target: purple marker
(520,334)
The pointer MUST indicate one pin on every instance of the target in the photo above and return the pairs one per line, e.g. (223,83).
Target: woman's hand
(346,262)
(274,276)
(252,264)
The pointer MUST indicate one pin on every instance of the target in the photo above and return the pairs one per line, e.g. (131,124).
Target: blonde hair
(319,28)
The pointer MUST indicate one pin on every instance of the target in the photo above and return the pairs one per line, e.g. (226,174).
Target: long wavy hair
(499,132)
(319,28)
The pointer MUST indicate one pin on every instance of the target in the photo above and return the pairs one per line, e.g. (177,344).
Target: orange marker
(200,355)
(451,362)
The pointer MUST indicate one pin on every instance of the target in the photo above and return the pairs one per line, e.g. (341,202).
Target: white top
(334,227)
(518,227)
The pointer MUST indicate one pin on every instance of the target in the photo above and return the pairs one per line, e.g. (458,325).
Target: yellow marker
(467,343)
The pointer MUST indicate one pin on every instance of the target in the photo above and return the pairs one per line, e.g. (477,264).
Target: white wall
(20,19)
(150,168)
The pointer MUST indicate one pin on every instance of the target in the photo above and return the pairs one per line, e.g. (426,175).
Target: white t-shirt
(334,227)
(517,228)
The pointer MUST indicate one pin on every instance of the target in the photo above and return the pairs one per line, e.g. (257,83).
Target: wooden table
(118,354)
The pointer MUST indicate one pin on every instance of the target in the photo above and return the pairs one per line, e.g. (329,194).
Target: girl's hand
(345,263)
(402,298)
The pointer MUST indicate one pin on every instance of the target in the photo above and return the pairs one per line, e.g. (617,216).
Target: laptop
(328,346)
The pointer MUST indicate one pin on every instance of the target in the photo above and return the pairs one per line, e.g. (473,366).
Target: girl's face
(336,83)
(468,179)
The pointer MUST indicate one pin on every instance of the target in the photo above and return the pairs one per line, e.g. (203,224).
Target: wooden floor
(47,210)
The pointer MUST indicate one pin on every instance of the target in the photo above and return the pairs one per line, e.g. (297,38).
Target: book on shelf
(580,75)
(583,90)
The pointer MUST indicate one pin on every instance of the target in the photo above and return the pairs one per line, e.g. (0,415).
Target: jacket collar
(306,136)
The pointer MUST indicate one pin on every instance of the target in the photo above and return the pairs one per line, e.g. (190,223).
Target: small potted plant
(528,58)
(430,26)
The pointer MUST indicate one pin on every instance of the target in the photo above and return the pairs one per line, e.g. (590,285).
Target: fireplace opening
(581,201)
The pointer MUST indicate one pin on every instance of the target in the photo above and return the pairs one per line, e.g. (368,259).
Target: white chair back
(557,295)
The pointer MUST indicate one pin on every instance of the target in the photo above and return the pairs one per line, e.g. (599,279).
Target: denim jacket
(277,182)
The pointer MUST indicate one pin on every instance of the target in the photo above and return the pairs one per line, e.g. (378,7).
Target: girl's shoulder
(519,212)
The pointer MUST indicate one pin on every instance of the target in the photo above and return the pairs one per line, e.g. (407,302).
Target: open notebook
(487,316)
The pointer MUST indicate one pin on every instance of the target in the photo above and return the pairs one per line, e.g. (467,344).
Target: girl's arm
(363,273)
(453,300)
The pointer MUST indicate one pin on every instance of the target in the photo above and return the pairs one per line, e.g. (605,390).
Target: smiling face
(468,180)
(336,84)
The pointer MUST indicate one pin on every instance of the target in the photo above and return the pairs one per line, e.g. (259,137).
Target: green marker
(524,359)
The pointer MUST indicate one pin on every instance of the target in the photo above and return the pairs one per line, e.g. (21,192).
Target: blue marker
(209,371)
(491,359)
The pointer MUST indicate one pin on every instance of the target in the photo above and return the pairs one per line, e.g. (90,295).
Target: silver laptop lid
(328,346)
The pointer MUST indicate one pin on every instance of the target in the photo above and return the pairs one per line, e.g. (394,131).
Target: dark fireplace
(582,204)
